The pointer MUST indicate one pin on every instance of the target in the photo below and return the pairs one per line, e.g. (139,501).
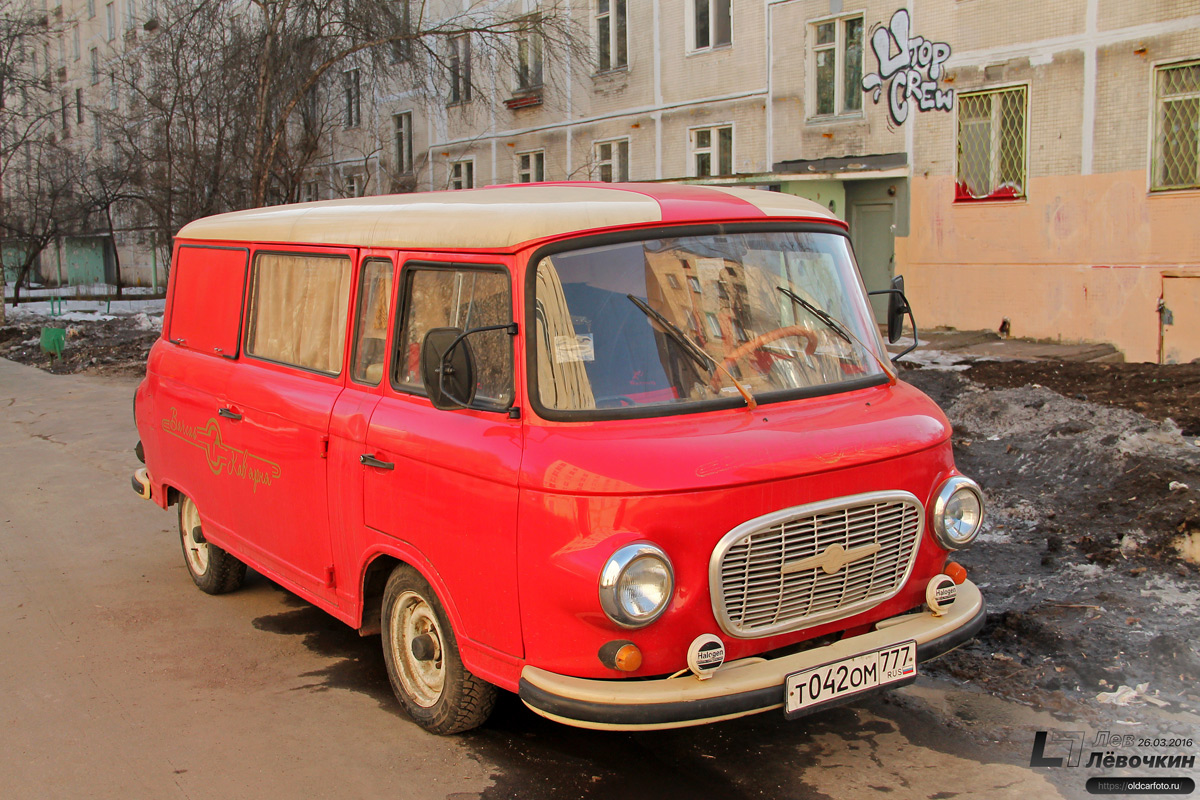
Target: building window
(837,57)
(612,47)
(529,61)
(312,192)
(402,47)
(694,285)
(130,13)
(710,22)
(352,85)
(110,19)
(114,97)
(95,66)
(531,167)
(714,325)
(673,281)
(91,5)
(404,139)
(712,151)
(65,114)
(612,161)
(991,144)
(78,51)
(79,106)
(1177,127)
(462,175)
(97,133)
(460,69)
(352,185)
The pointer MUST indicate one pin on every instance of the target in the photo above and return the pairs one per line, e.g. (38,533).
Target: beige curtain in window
(298,310)
(563,383)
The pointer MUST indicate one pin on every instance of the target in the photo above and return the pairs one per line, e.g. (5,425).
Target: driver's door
(445,482)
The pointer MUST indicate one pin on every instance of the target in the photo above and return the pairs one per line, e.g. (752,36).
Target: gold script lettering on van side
(831,559)
(221,457)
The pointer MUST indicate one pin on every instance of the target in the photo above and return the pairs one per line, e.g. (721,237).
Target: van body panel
(565,539)
(732,447)
(281,441)
(452,495)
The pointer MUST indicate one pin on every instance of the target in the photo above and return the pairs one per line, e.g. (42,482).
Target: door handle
(372,461)
(228,414)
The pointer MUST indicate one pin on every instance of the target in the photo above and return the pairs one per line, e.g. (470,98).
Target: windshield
(676,321)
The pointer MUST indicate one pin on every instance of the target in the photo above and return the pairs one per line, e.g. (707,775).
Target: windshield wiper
(829,321)
(693,350)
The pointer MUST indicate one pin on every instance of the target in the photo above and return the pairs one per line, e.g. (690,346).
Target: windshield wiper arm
(693,350)
(824,316)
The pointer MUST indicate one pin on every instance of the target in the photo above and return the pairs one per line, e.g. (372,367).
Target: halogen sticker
(570,349)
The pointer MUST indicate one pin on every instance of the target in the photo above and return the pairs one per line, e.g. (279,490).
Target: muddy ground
(1092,474)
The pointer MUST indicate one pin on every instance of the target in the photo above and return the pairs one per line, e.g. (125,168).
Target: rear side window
(298,308)
(464,298)
(206,302)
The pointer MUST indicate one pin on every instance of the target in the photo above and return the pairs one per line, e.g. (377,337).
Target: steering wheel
(764,339)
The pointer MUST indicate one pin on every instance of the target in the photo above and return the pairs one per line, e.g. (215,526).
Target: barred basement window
(991,144)
(1177,127)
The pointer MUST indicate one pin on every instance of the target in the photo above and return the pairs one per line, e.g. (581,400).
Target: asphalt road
(118,678)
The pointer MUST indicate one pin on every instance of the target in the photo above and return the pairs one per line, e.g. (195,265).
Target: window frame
(403,308)
(529,69)
(995,143)
(619,175)
(838,46)
(110,20)
(614,42)
(365,259)
(248,306)
(403,145)
(459,68)
(691,9)
(470,170)
(713,149)
(1154,162)
(537,163)
(352,94)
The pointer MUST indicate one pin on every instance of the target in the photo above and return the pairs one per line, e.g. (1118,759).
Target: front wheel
(212,569)
(422,659)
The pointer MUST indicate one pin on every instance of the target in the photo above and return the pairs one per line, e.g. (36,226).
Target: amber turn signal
(956,571)
(622,655)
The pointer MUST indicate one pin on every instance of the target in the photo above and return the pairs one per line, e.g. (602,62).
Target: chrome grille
(753,596)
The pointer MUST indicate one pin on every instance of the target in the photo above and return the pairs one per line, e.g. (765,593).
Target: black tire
(438,693)
(212,569)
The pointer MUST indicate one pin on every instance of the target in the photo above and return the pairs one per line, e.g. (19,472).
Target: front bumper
(746,686)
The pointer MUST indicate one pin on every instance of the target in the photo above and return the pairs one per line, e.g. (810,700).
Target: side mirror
(897,308)
(448,368)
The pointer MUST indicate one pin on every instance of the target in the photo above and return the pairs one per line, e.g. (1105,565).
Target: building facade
(1013,159)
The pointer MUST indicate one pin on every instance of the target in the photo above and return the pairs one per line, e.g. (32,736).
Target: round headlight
(636,585)
(958,513)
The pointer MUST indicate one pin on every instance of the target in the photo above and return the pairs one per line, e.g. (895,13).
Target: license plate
(818,686)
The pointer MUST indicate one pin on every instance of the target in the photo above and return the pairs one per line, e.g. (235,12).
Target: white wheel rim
(422,680)
(196,552)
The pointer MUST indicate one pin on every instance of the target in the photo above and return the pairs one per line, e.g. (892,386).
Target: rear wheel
(212,569)
(422,658)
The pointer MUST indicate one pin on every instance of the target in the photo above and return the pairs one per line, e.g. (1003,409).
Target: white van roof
(499,217)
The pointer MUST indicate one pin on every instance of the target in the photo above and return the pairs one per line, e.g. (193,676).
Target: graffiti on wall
(913,65)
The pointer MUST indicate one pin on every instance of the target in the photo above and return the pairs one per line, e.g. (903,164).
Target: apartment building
(1014,159)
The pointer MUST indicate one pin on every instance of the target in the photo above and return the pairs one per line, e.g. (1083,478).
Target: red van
(635,452)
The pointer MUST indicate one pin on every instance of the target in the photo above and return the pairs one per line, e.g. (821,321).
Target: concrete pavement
(119,679)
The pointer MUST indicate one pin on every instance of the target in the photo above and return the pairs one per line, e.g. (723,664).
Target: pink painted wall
(1081,259)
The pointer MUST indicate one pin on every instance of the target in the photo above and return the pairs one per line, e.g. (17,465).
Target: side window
(370,332)
(298,308)
(464,298)
(206,302)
